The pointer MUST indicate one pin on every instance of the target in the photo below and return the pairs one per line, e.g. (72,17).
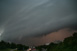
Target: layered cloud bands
(32,18)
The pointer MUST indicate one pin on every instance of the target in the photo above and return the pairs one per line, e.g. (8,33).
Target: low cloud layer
(32,18)
(51,37)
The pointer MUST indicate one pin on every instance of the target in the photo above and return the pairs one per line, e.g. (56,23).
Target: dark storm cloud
(21,18)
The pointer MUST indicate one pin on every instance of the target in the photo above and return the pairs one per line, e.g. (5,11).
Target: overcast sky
(21,19)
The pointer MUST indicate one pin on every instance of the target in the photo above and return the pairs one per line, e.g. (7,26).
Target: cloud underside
(51,37)
(35,18)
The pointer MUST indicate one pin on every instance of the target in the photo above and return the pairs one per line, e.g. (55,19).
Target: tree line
(69,44)
(6,45)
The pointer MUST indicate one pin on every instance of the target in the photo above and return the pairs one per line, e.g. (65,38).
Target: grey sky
(30,18)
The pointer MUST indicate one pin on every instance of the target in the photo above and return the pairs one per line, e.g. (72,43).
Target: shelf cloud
(35,18)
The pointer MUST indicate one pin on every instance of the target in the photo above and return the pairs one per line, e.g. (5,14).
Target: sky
(30,22)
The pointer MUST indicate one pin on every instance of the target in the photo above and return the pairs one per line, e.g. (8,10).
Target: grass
(18,50)
(9,50)
(5,50)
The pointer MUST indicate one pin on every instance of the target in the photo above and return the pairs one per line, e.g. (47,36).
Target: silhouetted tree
(20,47)
(69,44)
(3,45)
(13,45)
